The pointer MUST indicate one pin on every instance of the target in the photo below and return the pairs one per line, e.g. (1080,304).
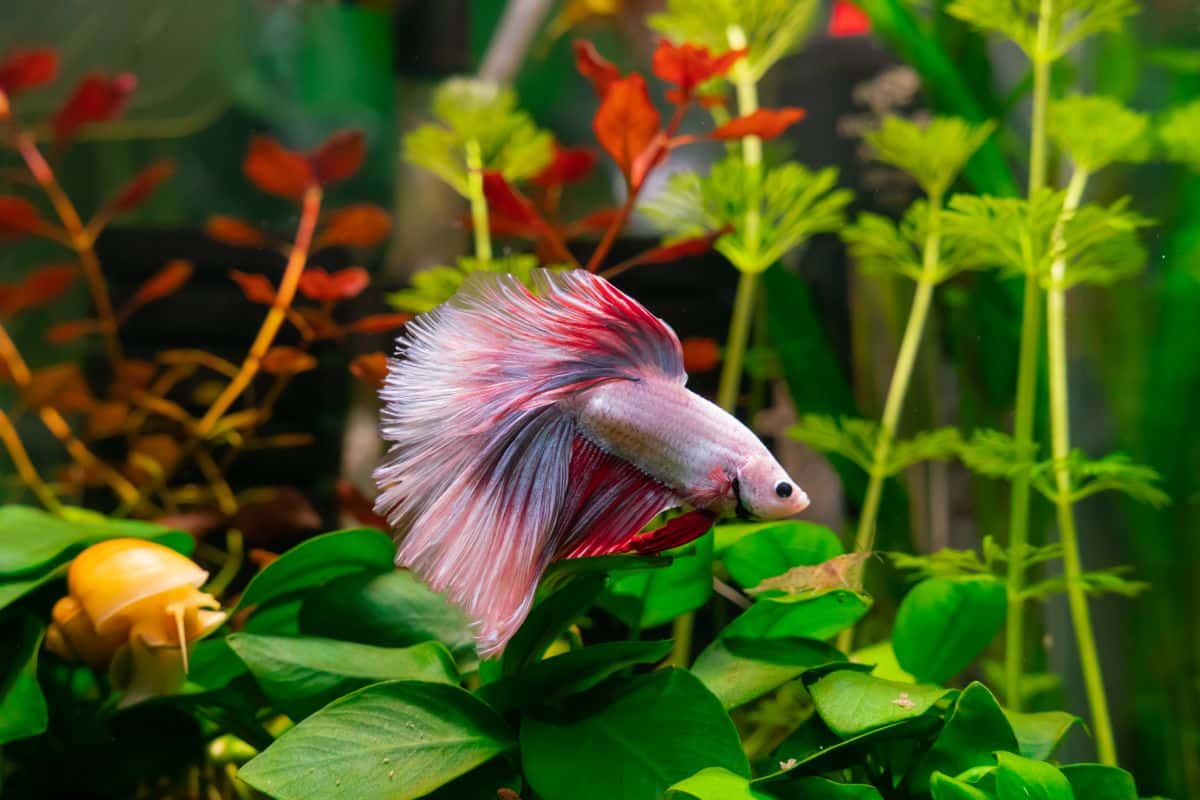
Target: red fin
(608,501)
(675,533)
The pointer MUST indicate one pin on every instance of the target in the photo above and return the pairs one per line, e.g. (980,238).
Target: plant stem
(906,358)
(1027,375)
(479,208)
(81,241)
(1060,442)
(29,474)
(735,344)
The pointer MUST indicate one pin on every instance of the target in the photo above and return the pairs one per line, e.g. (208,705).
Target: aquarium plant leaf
(1100,782)
(852,438)
(27,68)
(962,615)
(715,783)
(1071,21)
(765,123)
(687,66)
(773,28)
(935,445)
(23,710)
(1114,472)
(879,247)
(569,165)
(1179,133)
(933,153)
(468,110)
(1095,583)
(1100,245)
(1017,776)
(319,560)
(339,157)
(1011,233)
(851,702)
(601,72)
(777,548)
(975,729)
(944,563)
(433,286)
(996,454)
(96,98)
(1074,123)
(738,670)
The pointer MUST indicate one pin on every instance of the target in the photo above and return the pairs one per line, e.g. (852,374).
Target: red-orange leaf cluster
(360,225)
(371,369)
(167,280)
(848,19)
(39,287)
(379,323)
(512,212)
(628,127)
(134,193)
(22,70)
(256,287)
(283,360)
(65,332)
(570,165)
(277,170)
(18,217)
(97,98)
(317,284)
(765,123)
(688,65)
(595,67)
(700,354)
(233,231)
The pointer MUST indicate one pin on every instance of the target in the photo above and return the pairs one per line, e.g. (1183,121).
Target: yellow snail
(134,606)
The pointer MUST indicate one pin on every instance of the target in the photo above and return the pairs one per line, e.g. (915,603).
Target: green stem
(479,209)
(735,344)
(910,345)
(1027,368)
(1060,442)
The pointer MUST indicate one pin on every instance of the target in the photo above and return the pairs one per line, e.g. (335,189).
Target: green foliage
(777,548)
(391,740)
(738,670)
(1097,582)
(997,455)
(851,702)
(773,28)
(716,783)
(933,153)
(963,615)
(1075,122)
(794,204)
(435,285)
(1179,133)
(857,440)
(1111,473)
(318,561)
(807,616)
(472,110)
(975,728)
(23,710)
(1069,23)
(646,599)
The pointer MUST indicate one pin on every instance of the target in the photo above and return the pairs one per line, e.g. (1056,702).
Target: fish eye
(783,489)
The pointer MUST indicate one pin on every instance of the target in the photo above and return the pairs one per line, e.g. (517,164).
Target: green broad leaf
(548,619)
(390,741)
(636,741)
(13,589)
(794,204)
(944,787)
(740,670)
(319,560)
(469,110)
(1040,733)
(1100,782)
(943,624)
(820,789)
(933,153)
(854,439)
(482,782)
(1179,134)
(569,673)
(279,617)
(882,656)
(1071,22)
(811,617)
(777,548)
(393,609)
(852,702)
(1020,778)
(433,286)
(300,675)
(773,28)
(213,664)
(23,711)
(650,598)
(31,539)
(716,783)
(975,729)
(1073,123)
(813,748)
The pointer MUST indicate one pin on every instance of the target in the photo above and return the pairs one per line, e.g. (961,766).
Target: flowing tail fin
(488,480)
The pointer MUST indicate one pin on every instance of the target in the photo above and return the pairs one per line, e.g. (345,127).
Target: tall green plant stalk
(479,209)
(1027,373)
(743,305)
(1060,443)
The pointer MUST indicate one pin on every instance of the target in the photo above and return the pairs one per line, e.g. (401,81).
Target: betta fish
(532,426)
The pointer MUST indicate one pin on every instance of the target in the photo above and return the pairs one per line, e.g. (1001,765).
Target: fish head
(764,489)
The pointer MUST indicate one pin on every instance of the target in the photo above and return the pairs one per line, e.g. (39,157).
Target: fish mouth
(740,511)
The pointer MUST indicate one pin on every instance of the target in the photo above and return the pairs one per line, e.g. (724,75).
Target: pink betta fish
(528,427)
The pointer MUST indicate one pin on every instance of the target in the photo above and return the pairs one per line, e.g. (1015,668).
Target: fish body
(528,427)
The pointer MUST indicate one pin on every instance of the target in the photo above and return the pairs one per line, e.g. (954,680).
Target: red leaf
(18,217)
(232,231)
(65,332)
(339,157)
(256,287)
(371,369)
(848,19)
(684,248)
(162,283)
(287,361)
(379,323)
(700,354)
(361,225)
(27,69)
(47,283)
(276,170)
(594,222)
(61,386)
(627,125)
(317,284)
(351,501)
(97,98)
(134,193)
(766,123)
(570,164)
(595,67)
(12,300)
(507,202)
(688,65)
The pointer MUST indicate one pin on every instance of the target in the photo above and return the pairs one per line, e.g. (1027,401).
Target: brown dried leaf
(840,572)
